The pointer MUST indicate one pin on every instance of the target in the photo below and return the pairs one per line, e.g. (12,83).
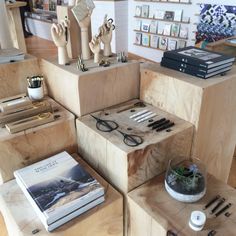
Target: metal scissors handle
(131,140)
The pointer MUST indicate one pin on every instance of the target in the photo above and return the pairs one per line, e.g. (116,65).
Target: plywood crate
(208,104)
(128,167)
(153,212)
(13,76)
(26,147)
(98,88)
(105,219)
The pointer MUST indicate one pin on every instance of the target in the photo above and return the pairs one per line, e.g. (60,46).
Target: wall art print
(216,22)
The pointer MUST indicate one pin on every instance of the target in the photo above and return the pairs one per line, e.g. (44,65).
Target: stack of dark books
(59,189)
(197,62)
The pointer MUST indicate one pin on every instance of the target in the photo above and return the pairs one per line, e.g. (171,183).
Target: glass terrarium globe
(186,181)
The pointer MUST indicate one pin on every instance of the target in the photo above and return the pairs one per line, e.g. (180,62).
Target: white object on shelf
(35,93)
(197,220)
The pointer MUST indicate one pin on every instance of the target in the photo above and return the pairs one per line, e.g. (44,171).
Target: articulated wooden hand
(60,35)
(95,46)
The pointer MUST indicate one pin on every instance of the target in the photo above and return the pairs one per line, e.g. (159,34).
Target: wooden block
(100,87)
(128,167)
(208,104)
(153,212)
(15,24)
(13,76)
(26,147)
(104,220)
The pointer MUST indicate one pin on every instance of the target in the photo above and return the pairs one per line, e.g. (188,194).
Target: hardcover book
(58,186)
(189,70)
(145,11)
(10,55)
(154,41)
(199,57)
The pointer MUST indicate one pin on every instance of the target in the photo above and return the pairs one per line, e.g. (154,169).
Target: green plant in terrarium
(186,181)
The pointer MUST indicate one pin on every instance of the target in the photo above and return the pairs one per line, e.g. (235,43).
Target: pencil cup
(36,93)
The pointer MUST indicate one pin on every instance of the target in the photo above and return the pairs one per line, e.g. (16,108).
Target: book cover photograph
(59,182)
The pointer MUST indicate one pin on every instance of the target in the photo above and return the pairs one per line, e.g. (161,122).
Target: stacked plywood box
(208,104)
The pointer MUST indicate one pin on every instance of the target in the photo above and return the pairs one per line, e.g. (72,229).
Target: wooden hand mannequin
(84,26)
(106,36)
(60,37)
(95,46)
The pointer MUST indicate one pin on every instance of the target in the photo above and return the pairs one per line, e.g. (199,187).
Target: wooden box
(128,167)
(98,88)
(24,148)
(208,104)
(153,212)
(105,219)
(13,76)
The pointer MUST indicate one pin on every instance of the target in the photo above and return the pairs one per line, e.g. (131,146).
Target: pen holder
(36,93)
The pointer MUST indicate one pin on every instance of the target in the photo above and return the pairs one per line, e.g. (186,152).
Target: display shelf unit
(169,21)
(185,3)
(168,36)
(140,45)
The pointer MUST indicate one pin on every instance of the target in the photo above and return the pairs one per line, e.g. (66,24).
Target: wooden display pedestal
(208,104)
(153,212)
(104,219)
(26,147)
(128,167)
(98,88)
(13,76)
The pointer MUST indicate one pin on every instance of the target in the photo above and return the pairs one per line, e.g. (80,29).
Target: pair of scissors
(110,20)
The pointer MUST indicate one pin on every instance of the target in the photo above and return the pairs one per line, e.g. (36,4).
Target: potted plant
(186,181)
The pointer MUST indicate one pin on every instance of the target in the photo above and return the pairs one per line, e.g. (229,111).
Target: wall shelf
(140,45)
(169,21)
(168,36)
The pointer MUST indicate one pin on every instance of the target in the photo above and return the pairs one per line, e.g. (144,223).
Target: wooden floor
(46,49)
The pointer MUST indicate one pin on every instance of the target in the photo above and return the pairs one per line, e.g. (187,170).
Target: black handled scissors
(110,20)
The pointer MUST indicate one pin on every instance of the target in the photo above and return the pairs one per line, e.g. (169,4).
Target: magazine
(57,186)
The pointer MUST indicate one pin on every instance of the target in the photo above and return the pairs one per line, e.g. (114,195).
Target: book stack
(59,189)
(197,62)
(11,55)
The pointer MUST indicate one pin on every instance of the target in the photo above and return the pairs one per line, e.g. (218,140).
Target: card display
(169,15)
(153,27)
(167,29)
(175,30)
(145,27)
(159,14)
(181,44)
(145,11)
(151,12)
(138,11)
(138,24)
(163,42)
(154,41)
(138,38)
(183,33)
(178,15)
(161,27)
(146,40)
(172,43)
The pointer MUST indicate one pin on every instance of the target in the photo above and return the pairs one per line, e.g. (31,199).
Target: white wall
(188,10)
(118,11)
